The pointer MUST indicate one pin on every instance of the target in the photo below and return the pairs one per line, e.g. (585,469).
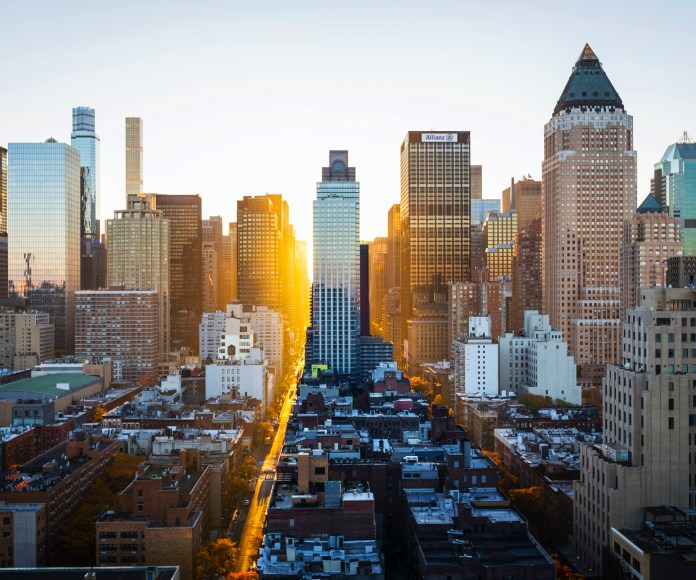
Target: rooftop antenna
(686,139)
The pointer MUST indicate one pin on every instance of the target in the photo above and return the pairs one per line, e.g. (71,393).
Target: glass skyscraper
(86,141)
(44,231)
(336,283)
(675,186)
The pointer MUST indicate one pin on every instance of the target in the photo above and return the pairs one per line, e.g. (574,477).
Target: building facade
(475,360)
(589,191)
(122,325)
(44,231)
(138,249)
(336,280)
(185,238)
(499,231)
(525,197)
(28,338)
(526,275)
(134,155)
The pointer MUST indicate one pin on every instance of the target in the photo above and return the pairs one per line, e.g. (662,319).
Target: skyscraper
(138,248)
(525,197)
(259,246)
(185,272)
(378,284)
(3,190)
(86,141)
(213,251)
(44,231)
(365,288)
(476,182)
(674,186)
(134,155)
(499,231)
(589,190)
(526,275)
(336,280)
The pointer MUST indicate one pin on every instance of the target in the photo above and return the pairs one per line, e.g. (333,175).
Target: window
(670,422)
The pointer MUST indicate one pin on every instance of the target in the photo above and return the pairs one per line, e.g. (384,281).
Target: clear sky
(247,97)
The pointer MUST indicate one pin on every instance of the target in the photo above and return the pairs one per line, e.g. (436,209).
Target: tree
(242,576)
(216,558)
(99,413)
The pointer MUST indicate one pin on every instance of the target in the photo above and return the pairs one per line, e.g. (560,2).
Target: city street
(252,531)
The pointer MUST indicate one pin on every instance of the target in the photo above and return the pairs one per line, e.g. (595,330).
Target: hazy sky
(244,98)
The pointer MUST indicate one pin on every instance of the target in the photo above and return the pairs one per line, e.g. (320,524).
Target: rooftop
(48,385)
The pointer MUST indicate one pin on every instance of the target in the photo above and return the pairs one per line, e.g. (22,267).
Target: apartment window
(671,404)
(670,422)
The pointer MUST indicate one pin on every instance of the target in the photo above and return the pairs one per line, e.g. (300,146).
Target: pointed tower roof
(588,85)
(650,205)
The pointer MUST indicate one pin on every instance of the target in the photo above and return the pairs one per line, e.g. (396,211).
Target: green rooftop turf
(46,384)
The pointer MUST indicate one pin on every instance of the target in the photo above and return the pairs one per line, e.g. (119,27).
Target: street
(249,537)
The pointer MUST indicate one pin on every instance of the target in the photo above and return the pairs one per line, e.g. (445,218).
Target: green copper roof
(47,384)
(650,205)
(588,85)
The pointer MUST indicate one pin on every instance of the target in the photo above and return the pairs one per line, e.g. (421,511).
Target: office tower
(44,231)
(212,250)
(480,209)
(139,255)
(525,197)
(134,155)
(378,284)
(526,275)
(649,425)
(28,338)
(302,285)
(394,246)
(4,255)
(226,272)
(650,238)
(3,190)
(231,265)
(365,289)
(426,339)
(435,218)
(499,231)
(373,351)
(537,362)
(259,246)
(184,215)
(391,302)
(477,251)
(86,141)
(674,186)
(589,190)
(336,280)
(476,182)
(122,325)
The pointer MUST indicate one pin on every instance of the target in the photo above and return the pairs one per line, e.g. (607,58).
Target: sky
(246,98)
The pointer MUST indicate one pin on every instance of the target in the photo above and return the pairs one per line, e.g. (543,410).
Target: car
(247,503)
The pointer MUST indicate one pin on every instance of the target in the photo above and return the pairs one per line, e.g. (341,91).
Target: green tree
(216,558)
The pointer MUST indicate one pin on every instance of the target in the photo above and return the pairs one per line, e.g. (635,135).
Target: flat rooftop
(47,385)
(101,573)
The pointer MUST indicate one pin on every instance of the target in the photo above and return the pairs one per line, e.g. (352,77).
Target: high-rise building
(213,265)
(435,218)
(475,360)
(499,231)
(134,155)
(259,247)
(526,275)
(209,332)
(649,425)
(365,289)
(480,209)
(476,182)
(378,284)
(336,280)
(681,272)
(589,190)
(426,339)
(391,302)
(44,231)
(3,190)
(394,246)
(525,197)
(268,329)
(230,265)
(122,325)
(184,215)
(27,339)
(139,255)
(650,238)
(86,141)
(302,285)
(674,186)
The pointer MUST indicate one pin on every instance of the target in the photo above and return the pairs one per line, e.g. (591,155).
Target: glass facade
(336,282)
(3,190)
(677,189)
(481,207)
(44,231)
(86,141)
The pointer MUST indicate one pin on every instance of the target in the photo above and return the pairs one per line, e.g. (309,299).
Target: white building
(268,329)
(475,359)
(538,362)
(209,332)
(247,377)
(237,339)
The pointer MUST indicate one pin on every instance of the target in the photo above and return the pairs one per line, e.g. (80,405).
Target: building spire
(587,55)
